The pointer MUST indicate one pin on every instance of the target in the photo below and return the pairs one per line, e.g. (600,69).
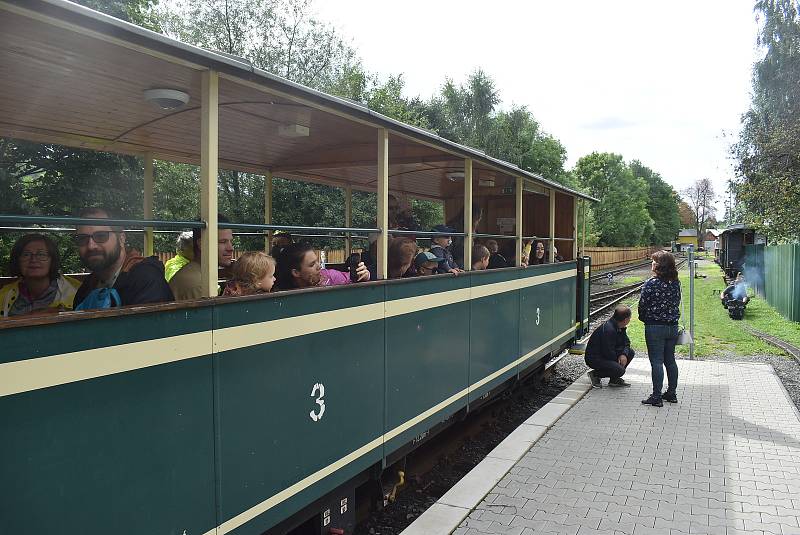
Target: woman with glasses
(39,286)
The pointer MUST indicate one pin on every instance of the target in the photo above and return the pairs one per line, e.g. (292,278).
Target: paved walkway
(725,460)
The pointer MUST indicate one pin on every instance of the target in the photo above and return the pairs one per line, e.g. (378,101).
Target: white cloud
(659,82)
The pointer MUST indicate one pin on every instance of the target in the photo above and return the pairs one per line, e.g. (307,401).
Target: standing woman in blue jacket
(659,310)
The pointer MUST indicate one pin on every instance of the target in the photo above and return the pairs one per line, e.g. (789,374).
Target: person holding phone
(299,267)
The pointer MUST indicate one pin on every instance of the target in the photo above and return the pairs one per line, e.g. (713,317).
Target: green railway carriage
(253,414)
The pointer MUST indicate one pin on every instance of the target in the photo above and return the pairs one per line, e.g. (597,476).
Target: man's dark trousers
(606,344)
(608,368)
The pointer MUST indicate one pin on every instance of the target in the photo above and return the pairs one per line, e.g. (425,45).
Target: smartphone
(354,261)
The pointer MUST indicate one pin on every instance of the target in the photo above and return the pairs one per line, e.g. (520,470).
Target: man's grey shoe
(619,381)
(594,379)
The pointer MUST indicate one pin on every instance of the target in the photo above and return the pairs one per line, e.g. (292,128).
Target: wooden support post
(348,218)
(209,159)
(148,203)
(519,219)
(268,209)
(552,254)
(468,214)
(574,228)
(383,201)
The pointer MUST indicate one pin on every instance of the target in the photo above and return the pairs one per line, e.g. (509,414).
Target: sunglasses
(101,236)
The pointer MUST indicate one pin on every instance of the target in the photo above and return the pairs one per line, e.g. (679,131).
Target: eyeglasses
(38,255)
(101,236)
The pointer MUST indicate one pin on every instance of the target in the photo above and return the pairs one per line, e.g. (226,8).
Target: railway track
(793,351)
(605,299)
(610,298)
(617,271)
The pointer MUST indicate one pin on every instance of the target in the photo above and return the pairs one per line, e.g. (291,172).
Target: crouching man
(608,351)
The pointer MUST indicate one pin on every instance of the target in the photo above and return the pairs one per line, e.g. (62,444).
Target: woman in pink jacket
(299,267)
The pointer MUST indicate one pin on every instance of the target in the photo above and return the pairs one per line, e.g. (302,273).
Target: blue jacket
(444,252)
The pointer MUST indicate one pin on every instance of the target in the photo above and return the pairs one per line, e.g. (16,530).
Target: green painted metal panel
(31,342)
(427,356)
(536,316)
(493,331)
(130,453)
(266,394)
(782,279)
(146,456)
(564,303)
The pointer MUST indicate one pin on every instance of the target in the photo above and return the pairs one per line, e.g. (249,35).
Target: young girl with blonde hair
(253,273)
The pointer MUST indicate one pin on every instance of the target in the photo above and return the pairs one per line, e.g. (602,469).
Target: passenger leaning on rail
(400,258)
(538,256)
(39,287)
(480,257)
(441,247)
(659,309)
(185,253)
(253,273)
(298,267)
(135,280)
(496,258)
(187,283)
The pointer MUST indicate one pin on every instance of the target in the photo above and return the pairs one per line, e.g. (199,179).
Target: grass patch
(715,332)
(631,280)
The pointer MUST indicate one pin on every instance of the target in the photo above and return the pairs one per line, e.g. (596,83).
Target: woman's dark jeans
(660,341)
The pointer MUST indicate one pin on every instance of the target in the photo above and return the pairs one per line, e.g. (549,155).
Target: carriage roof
(97,103)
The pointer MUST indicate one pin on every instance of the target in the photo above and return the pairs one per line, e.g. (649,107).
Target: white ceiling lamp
(166,99)
(486,182)
(455,176)
(293,130)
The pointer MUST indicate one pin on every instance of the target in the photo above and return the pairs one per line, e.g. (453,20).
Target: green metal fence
(782,279)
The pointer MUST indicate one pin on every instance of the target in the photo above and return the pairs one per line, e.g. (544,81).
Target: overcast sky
(662,82)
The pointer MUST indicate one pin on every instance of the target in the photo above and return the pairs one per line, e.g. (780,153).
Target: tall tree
(622,216)
(768,150)
(140,12)
(279,36)
(700,197)
(662,204)
(686,215)
(468,114)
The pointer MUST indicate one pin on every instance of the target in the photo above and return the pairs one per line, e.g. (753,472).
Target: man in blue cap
(441,248)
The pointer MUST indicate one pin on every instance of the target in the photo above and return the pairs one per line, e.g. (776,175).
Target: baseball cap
(427,256)
(444,230)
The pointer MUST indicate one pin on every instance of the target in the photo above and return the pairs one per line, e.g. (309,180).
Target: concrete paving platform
(725,460)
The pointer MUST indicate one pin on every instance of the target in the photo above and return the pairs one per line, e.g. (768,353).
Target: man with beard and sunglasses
(101,248)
